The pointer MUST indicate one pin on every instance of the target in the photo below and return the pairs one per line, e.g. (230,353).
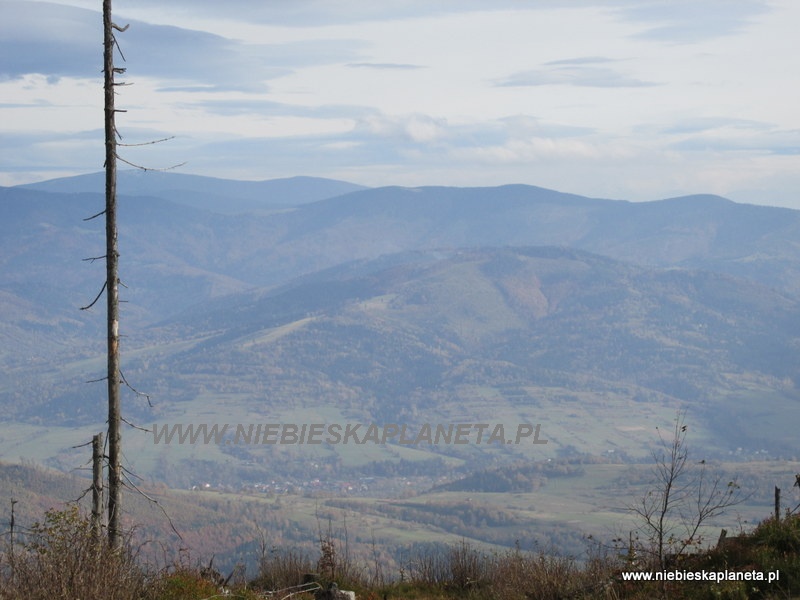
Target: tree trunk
(97,485)
(112,288)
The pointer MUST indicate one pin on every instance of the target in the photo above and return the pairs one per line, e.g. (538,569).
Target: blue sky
(633,99)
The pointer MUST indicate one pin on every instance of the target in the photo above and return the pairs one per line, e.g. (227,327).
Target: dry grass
(61,557)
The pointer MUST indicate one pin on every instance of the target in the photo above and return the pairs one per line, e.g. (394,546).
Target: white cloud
(582,76)
(689,21)
(523,151)
(624,98)
(415,128)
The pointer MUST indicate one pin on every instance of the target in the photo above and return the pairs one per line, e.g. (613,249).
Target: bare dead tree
(114,377)
(684,497)
(112,283)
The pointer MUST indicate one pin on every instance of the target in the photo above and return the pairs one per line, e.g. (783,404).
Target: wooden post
(723,535)
(97,485)
(11,554)
(112,288)
(777,504)
(631,549)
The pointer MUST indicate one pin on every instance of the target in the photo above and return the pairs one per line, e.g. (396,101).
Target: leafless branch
(166,139)
(100,214)
(86,491)
(100,293)
(135,391)
(135,166)
(131,473)
(116,43)
(124,420)
(125,474)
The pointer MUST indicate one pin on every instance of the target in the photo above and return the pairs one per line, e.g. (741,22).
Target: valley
(597,320)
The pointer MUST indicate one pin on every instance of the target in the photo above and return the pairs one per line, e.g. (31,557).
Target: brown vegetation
(60,557)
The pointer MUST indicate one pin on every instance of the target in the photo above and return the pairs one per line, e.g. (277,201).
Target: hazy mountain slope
(171,251)
(547,308)
(225,196)
(695,231)
(173,254)
(594,349)
(708,232)
(386,318)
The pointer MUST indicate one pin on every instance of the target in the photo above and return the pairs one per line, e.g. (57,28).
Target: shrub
(184,584)
(64,558)
(280,569)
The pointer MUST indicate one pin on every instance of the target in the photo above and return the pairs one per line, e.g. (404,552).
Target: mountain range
(308,300)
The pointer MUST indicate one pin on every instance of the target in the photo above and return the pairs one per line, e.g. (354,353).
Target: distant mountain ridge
(178,255)
(708,232)
(227,196)
(513,302)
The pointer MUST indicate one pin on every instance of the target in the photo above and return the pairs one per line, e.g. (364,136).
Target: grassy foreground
(62,557)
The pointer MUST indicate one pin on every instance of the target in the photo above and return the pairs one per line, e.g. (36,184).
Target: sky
(627,99)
